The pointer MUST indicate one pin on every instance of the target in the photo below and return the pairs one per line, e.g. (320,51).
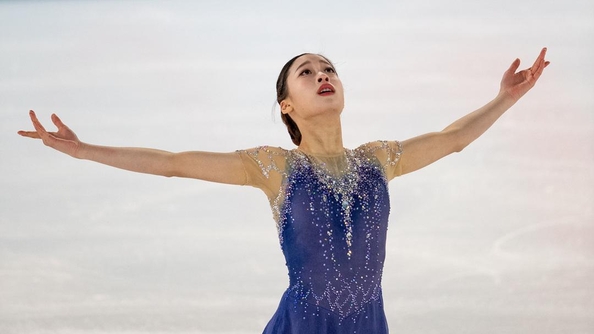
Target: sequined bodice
(333,231)
(332,218)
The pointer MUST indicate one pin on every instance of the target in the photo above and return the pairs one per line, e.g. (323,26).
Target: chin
(329,110)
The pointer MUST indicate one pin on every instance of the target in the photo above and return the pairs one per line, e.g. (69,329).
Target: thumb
(514,66)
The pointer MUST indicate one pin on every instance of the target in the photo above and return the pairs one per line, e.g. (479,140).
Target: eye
(330,70)
(305,72)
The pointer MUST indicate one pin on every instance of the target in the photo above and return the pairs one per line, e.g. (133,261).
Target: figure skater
(330,203)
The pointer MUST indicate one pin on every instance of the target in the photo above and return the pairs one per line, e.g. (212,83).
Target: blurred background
(496,239)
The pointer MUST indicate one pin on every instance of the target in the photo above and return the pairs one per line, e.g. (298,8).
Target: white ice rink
(496,239)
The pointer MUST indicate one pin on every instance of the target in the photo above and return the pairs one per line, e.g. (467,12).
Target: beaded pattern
(332,225)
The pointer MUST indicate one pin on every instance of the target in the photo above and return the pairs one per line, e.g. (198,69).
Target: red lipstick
(326,89)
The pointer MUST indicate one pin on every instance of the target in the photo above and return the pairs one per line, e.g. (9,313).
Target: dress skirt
(295,316)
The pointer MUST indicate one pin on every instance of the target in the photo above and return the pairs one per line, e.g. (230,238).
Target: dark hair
(282,91)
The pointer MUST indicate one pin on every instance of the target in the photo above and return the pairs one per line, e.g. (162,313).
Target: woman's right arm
(216,167)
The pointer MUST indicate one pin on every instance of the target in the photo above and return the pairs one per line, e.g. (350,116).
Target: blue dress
(332,218)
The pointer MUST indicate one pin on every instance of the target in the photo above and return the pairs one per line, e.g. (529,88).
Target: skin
(318,118)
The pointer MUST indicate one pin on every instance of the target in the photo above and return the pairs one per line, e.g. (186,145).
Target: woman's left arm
(423,150)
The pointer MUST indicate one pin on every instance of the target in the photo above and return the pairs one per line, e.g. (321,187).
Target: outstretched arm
(215,167)
(423,150)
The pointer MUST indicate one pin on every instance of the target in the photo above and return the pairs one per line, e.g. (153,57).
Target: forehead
(311,58)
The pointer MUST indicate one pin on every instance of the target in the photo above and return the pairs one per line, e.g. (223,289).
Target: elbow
(457,140)
(170,167)
(459,147)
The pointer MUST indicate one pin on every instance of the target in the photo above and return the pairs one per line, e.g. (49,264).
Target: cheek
(337,84)
(340,88)
(299,92)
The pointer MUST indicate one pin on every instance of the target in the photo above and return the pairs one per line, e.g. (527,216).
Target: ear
(285,107)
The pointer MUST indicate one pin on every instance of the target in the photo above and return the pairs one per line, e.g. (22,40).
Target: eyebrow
(309,62)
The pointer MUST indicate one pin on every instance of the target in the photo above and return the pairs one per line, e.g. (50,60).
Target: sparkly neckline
(330,167)
(341,183)
(333,155)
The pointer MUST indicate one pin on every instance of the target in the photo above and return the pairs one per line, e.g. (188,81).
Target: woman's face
(314,88)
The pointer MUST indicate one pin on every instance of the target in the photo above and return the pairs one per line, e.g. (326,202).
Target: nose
(323,77)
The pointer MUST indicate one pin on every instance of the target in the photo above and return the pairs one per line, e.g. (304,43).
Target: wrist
(506,98)
(82,151)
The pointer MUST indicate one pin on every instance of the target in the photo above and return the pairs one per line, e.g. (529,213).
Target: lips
(326,89)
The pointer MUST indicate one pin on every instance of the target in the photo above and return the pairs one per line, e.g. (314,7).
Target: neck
(321,137)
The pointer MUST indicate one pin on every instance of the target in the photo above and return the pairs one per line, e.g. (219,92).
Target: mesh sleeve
(387,153)
(264,168)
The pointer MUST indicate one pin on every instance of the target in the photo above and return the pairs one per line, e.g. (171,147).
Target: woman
(330,203)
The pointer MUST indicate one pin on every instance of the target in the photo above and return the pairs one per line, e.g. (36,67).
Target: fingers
(29,134)
(36,124)
(540,60)
(541,56)
(540,64)
(47,138)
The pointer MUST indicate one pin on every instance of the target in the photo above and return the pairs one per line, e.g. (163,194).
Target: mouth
(326,89)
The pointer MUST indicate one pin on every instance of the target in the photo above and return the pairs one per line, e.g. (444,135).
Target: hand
(64,140)
(517,84)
